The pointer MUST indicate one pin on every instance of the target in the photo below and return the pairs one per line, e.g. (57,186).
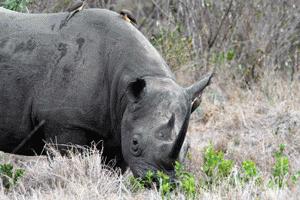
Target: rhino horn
(196,90)
(176,146)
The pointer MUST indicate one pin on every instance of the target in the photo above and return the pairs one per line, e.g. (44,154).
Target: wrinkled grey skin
(94,78)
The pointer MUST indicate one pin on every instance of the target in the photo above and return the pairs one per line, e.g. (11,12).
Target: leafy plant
(215,166)
(280,170)
(149,178)
(296,177)
(165,185)
(136,184)
(230,54)
(222,57)
(249,168)
(249,172)
(9,176)
(186,181)
(16,5)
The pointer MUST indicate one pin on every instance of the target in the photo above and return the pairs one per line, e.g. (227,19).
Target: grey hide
(92,78)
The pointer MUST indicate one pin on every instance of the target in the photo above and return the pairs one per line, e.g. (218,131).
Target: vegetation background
(251,108)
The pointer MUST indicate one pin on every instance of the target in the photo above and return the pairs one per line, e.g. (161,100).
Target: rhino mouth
(141,168)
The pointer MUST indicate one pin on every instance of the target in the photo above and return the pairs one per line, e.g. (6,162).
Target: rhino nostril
(135,147)
(134,141)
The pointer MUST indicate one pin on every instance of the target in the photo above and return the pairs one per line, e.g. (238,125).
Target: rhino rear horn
(195,91)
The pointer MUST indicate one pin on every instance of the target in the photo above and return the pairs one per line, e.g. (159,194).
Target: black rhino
(93,78)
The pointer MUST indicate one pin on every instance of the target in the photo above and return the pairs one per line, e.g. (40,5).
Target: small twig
(144,22)
(163,12)
(211,42)
(36,128)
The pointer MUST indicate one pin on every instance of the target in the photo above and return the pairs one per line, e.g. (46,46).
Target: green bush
(136,184)
(9,176)
(148,180)
(186,181)
(221,58)
(280,169)
(165,186)
(296,177)
(249,169)
(16,5)
(216,169)
(249,172)
(215,166)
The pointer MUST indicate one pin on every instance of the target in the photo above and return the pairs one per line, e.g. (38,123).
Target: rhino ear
(195,91)
(136,89)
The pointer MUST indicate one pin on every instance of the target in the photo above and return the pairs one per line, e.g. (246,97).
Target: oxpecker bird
(77,6)
(128,16)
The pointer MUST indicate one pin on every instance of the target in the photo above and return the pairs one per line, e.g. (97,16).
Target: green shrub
(216,169)
(230,55)
(186,181)
(296,177)
(9,176)
(165,186)
(215,166)
(249,169)
(222,57)
(249,172)
(16,5)
(136,184)
(149,178)
(280,169)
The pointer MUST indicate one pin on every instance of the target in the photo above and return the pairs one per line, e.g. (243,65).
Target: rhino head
(155,123)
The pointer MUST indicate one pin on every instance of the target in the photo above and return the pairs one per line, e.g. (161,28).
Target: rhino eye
(164,134)
(161,135)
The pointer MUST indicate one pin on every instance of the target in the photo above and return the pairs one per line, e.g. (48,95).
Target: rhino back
(47,70)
